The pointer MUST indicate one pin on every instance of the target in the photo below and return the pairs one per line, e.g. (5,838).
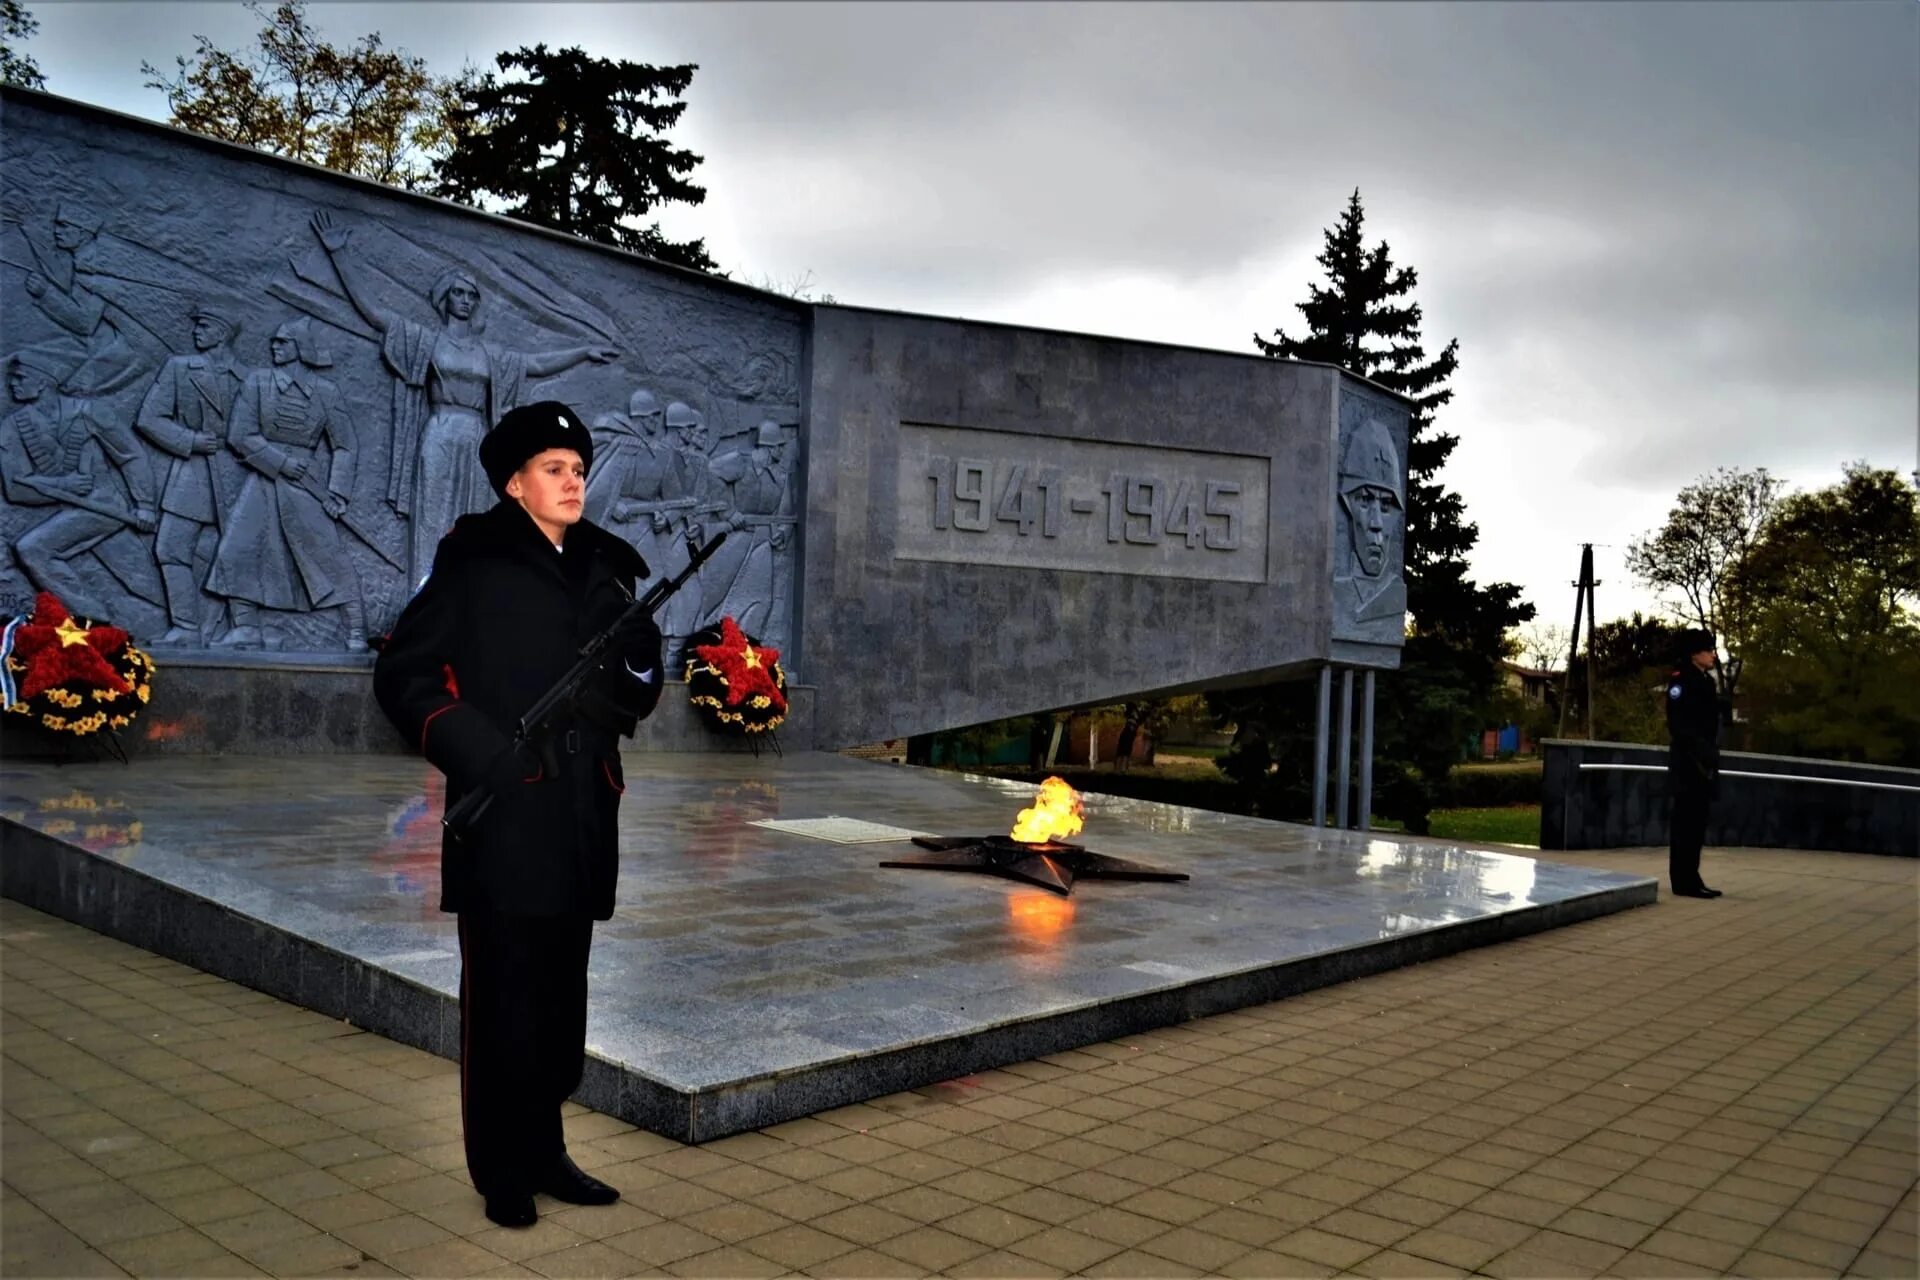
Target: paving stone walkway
(1694,1088)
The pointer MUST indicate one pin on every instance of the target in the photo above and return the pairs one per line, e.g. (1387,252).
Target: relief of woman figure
(449,387)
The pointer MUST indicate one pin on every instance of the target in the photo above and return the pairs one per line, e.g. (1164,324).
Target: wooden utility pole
(1582,604)
(1593,610)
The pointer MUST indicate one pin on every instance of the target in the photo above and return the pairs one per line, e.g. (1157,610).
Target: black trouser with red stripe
(523,1031)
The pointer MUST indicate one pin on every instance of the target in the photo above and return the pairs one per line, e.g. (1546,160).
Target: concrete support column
(1366,753)
(1346,743)
(1320,749)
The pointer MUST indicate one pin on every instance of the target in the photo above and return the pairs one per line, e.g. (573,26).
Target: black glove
(517,763)
(637,640)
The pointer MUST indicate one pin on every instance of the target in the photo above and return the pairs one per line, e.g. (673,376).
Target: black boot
(565,1182)
(511,1211)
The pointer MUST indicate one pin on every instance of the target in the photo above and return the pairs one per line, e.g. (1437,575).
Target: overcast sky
(1669,237)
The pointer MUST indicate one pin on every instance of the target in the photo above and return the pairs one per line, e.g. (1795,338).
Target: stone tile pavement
(1694,1088)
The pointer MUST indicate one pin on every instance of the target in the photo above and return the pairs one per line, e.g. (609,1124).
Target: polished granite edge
(75,884)
(50,875)
(752,1104)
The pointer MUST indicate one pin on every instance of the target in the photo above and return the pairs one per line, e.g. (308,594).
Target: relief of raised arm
(334,239)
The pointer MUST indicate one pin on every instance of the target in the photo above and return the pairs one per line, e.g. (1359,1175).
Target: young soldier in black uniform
(1693,760)
(513,594)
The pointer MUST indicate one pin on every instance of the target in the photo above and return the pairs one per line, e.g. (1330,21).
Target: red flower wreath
(58,652)
(735,683)
(70,675)
(746,670)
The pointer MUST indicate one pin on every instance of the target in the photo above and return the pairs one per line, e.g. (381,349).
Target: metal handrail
(1771,777)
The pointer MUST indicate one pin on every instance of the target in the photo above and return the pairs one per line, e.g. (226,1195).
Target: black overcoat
(1693,726)
(500,619)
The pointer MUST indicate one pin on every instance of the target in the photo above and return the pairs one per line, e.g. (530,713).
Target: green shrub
(1489,788)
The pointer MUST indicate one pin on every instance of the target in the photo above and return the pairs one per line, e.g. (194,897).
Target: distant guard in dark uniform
(1693,760)
(514,593)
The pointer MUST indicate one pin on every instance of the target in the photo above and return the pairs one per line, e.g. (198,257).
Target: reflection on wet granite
(767,967)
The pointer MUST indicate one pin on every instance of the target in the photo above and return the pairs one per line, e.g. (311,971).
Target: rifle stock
(533,722)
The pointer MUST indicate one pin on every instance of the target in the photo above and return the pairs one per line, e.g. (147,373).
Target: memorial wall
(243,399)
(244,394)
(1001,520)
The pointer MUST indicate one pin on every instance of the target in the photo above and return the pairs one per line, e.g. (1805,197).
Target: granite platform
(749,974)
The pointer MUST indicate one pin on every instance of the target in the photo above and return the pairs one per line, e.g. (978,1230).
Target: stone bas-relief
(1369,593)
(244,405)
(92,548)
(450,386)
(658,482)
(185,415)
(282,547)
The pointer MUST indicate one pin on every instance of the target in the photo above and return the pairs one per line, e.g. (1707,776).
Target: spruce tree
(1358,321)
(576,144)
(1363,320)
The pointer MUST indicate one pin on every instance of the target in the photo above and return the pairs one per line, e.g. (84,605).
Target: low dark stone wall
(325,706)
(1858,808)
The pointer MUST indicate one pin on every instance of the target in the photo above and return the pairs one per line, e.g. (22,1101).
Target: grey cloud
(1668,236)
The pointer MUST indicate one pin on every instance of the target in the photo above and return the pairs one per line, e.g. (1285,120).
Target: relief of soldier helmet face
(1372,511)
(680,421)
(1370,478)
(645,411)
(25,383)
(768,444)
(283,348)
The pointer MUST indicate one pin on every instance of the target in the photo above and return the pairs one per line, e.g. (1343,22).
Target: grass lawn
(1167,764)
(1510,824)
(1202,750)
(1519,764)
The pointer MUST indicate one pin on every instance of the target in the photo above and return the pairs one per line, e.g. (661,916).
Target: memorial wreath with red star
(736,683)
(71,675)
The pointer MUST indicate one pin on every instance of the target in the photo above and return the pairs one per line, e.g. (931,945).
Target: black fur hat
(1692,642)
(530,430)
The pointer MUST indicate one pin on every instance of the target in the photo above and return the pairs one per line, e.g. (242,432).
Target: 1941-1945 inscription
(1000,498)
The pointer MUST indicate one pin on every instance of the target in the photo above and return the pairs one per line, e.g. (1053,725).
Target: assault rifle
(533,724)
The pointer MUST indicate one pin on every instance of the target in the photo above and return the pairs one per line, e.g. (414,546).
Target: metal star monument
(1051,864)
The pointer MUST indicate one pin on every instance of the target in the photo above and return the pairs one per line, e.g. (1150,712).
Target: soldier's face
(651,423)
(282,349)
(207,333)
(552,486)
(26,385)
(69,235)
(1705,658)
(1370,514)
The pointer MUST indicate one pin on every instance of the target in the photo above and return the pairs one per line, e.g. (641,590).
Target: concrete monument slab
(749,974)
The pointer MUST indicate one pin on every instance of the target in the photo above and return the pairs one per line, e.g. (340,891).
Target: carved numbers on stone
(1002,498)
